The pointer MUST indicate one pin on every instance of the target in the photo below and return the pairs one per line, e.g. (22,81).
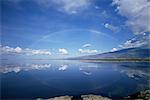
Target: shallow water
(49,78)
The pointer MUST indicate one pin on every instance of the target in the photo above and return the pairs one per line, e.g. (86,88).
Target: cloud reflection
(27,67)
(88,68)
(63,67)
(134,72)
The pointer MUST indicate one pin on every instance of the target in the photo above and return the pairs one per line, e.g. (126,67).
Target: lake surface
(49,78)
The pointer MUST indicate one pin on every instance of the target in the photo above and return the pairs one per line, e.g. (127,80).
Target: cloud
(7,49)
(142,40)
(86,45)
(67,6)
(111,27)
(63,51)
(29,52)
(104,14)
(87,51)
(114,49)
(40,52)
(71,6)
(19,50)
(136,12)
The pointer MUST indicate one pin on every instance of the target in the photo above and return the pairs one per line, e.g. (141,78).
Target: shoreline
(142,95)
(100,60)
(116,60)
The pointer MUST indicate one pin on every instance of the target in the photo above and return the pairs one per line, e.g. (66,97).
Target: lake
(49,78)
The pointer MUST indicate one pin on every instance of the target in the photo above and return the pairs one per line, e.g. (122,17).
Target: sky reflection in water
(34,79)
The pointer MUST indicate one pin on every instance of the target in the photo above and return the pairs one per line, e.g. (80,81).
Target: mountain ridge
(128,53)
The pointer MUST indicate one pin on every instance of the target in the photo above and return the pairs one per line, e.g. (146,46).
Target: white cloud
(136,12)
(63,51)
(104,14)
(19,50)
(137,42)
(86,45)
(87,51)
(7,49)
(114,49)
(111,27)
(29,52)
(68,6)
(40,52)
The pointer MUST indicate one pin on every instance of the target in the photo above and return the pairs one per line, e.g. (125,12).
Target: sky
(68,28)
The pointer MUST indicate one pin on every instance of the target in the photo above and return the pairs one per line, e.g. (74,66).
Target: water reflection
(88,68)
(26,67)
(51,78)
(135,71)
(63,67)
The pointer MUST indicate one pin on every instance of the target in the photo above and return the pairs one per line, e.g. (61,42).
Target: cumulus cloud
(7,49)
(87,51)
(86,45)
(111,27)
(29,51)
(136,12)
(114,49)
(63,51)
(19,50)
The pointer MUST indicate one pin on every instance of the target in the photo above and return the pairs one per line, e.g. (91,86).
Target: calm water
(44,78)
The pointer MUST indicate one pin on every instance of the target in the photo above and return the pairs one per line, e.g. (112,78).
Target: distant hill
(137,47)
(139,52)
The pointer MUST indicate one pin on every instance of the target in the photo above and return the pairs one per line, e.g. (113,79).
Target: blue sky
(64,28)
